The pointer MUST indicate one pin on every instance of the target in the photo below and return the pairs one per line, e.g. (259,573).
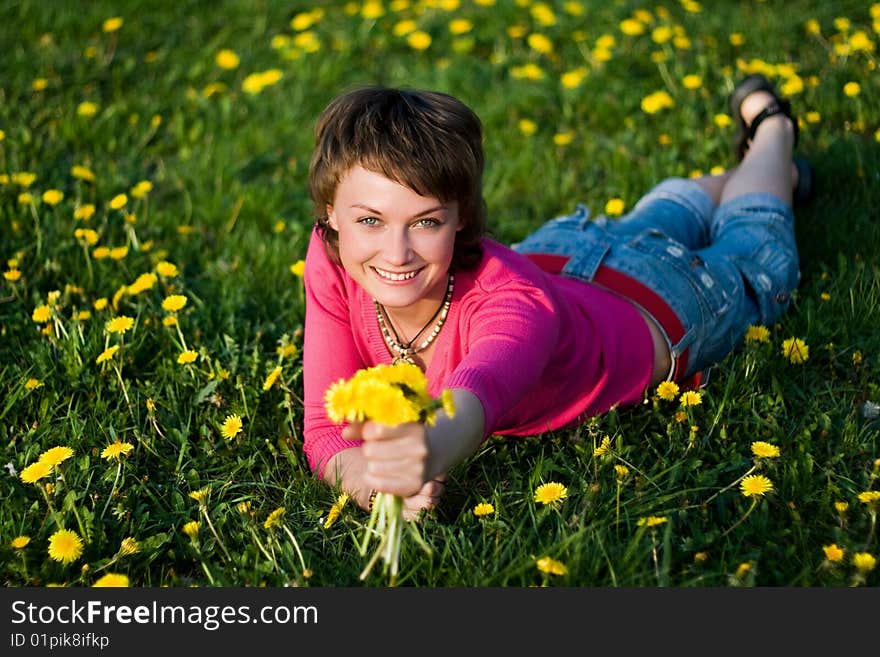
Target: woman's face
(395,243)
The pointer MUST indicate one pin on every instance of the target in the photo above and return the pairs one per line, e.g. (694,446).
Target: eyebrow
(436,208)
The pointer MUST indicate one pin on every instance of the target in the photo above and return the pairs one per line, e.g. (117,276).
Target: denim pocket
(686,274)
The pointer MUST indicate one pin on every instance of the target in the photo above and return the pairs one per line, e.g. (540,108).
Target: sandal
(745,133)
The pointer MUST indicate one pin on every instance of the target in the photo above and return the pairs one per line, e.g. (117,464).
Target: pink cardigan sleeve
(330,352)
(509,333)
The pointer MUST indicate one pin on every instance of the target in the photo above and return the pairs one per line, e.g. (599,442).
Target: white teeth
(396,277)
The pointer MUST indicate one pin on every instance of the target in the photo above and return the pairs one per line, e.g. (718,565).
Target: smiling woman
(580,317)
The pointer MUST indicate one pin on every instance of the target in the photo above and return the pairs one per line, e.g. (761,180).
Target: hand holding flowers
(388,407)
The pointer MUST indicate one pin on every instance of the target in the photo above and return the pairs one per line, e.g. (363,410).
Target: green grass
(230,208)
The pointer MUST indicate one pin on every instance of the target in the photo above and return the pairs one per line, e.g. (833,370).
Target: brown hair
(428,141)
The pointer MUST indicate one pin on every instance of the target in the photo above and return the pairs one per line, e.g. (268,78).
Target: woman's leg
(766,167)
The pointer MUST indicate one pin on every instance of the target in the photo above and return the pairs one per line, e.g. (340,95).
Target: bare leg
(714,185)
(766,167)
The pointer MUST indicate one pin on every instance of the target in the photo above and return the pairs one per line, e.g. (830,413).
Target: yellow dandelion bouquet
(390,395)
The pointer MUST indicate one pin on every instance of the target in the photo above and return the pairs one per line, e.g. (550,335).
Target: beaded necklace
(405,351)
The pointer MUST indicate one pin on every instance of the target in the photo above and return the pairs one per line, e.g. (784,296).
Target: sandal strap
(779,107)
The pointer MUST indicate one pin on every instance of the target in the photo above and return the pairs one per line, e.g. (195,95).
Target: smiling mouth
(394,276)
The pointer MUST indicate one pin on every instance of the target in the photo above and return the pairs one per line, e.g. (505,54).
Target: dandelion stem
(122,384)
(293,540)
(113,489)
(741,520)
(52,512)
(208,572)
(729,486)
(654,556)
(263,549)
(214,531)
(180,335)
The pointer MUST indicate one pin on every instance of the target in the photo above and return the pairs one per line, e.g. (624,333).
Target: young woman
(581,316)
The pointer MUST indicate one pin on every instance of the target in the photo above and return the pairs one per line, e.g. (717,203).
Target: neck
(406,346)
(408,320)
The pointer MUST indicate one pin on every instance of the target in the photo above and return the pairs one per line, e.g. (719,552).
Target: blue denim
(719,268)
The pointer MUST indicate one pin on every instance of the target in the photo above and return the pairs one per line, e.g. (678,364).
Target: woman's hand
(396,458)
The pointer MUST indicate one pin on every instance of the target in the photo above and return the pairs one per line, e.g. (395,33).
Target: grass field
(154,207)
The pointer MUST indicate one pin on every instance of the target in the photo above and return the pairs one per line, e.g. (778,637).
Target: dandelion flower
(667,390)
(551,566)
(419,40)
(56,455)
(129,546)
(227,59)
(651,521)
(527,127)
(691,398)
(32,384)
(107,354)
(191,528)
(83,173)
(483,509)
(272,378)
(870,497)
(119,324)
(852,89)
(692,81)
(12,275)
(112,580)
(755,486)
(166,269)
(118,202)
(621,471)
(87,109)
(201,495)
(112,24)
(298,268)
(274,518)
(603,447)
(173,302)
(35,471)
(187,357)
(764,450)
(42,314)
(795,350)
(335,510)
(864,561)
(757,333)
(19,542)
(53,196)
(65,546)
(116,450)
(657,101)
(614,207)
(833,553)
(231,426)
(550,493)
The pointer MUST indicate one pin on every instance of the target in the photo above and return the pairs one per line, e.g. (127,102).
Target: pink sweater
(539,350)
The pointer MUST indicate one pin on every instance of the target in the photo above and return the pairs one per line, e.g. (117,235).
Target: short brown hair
(428,141)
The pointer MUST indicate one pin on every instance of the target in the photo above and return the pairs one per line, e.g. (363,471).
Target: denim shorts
(718,268)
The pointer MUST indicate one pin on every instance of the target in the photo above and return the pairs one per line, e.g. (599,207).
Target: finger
(377,431)
(353,431)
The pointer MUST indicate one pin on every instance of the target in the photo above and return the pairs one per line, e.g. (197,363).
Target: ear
(331,218)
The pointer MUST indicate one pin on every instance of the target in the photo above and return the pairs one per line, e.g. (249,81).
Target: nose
(398,250)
